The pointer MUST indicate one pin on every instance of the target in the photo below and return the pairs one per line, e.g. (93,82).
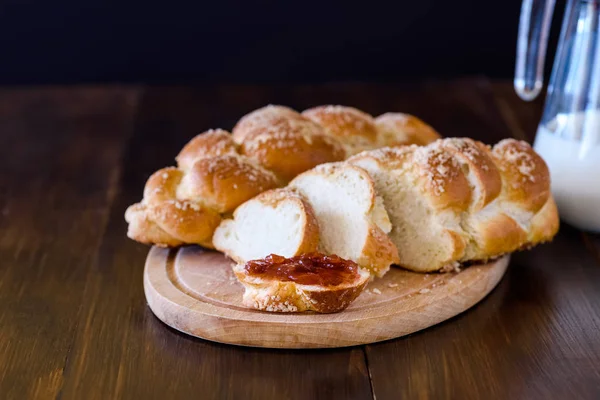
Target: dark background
(89,41)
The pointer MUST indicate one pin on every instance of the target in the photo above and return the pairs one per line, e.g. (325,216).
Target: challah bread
(353,222)
(311,282)
(399,129)
(268,148)
(277,221)
(455,200)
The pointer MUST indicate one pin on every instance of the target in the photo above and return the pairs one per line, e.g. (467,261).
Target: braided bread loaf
(451,202)
(217,171)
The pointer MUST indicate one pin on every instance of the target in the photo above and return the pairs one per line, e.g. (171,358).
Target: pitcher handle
(534,26)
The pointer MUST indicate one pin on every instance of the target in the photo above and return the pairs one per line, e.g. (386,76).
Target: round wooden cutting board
(195,292)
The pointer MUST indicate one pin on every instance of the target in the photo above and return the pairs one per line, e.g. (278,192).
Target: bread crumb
(392,285)
(451,267)
(165,175)
(376,291)
(423,291)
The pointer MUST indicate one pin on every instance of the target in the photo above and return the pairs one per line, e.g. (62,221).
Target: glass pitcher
(568,136)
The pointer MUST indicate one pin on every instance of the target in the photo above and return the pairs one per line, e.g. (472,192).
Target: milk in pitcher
(574,164)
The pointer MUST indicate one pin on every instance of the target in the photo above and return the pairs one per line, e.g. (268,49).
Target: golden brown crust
(354,128)
(495,236)
(441,178)
(262,117)
(526,178)
(164,220)
(399,129)
(478,166)
(184,220)
(214,142)
(378,252)
(278,296)
(143,230)
(290,146)
(335,300)
(545,224)
(224,182)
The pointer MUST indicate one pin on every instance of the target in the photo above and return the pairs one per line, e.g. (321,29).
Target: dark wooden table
(73,320)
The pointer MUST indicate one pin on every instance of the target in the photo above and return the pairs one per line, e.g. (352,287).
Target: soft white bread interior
(277,221)
(353,222)
(457,200)
(286,296)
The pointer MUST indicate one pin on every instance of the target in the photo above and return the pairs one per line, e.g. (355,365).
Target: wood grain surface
(73,319)
(196,292)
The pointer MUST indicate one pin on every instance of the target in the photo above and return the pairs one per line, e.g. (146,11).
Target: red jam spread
(305,269)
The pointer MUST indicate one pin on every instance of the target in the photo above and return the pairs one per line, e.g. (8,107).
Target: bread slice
(275,295)
(277,221)
(353,222)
